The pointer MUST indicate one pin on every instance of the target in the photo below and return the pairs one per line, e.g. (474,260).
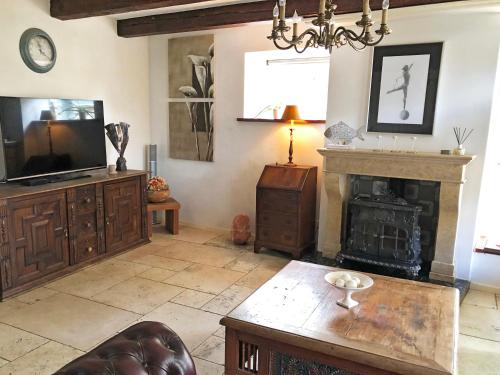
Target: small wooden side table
(171,208)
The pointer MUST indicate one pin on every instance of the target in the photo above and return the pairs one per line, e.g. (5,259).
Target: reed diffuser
(461,135)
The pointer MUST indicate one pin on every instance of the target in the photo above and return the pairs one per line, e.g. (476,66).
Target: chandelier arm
(275,42)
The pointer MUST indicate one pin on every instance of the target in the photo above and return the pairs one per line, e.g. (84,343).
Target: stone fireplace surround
(449,170)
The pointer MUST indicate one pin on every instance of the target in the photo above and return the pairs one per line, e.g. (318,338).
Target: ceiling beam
(73,9)
(238,14)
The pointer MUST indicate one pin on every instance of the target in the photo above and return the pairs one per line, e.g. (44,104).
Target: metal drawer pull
(88,224)
(89,249)
(87,200)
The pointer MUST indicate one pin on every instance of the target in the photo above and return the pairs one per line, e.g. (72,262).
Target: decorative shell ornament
(341,135)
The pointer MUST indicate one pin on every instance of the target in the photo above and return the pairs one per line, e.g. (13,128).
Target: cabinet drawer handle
(89,249)
(107,221)
(66,232)
(88,224)
(87,200)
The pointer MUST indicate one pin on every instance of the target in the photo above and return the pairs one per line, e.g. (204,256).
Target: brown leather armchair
(147,348)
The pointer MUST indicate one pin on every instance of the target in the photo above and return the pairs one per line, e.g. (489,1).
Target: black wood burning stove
(383,232)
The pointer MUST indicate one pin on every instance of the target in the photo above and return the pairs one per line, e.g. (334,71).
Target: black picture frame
(427,125)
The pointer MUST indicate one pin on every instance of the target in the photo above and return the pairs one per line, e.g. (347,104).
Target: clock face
(37,50)
(41,51)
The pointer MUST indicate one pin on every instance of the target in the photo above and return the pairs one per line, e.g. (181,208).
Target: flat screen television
(43,137)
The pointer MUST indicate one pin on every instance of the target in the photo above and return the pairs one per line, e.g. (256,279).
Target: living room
(263,196)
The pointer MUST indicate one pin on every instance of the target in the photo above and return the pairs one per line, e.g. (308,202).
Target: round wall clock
(37,50)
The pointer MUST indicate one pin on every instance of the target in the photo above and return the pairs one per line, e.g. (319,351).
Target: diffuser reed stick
(461,135)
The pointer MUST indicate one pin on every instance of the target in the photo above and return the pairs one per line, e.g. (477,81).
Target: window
(276,78)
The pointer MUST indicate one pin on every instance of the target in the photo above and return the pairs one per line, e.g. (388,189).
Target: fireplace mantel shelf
(410,165)
(397,155)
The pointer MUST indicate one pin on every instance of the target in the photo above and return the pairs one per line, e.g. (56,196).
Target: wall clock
(38,51)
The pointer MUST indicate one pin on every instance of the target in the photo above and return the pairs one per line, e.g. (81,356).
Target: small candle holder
(379,144)
(394,144)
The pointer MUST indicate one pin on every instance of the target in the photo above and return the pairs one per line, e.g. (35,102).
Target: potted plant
(158,190)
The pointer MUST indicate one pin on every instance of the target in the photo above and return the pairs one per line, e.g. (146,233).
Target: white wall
(211,194)
(92,63)
(466,85)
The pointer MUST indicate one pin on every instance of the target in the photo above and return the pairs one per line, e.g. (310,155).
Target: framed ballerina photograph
(404,88)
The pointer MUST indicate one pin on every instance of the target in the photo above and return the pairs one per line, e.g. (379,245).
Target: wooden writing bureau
(286,208)
(292,324)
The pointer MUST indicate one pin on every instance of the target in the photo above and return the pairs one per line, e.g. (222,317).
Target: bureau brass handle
(66,233)
(89,249)
(89,224)
(88,200)
(107,221)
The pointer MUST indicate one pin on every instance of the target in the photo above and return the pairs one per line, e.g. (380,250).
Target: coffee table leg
(172,221)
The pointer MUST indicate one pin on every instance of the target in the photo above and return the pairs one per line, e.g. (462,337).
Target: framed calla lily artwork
(191,97)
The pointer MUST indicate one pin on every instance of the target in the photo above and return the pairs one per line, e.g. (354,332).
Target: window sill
(271,121)
(487,247)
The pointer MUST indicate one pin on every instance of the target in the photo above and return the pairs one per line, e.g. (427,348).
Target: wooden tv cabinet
(50,230)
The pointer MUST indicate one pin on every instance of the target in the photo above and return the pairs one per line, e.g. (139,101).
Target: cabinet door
(122,205)
(38,232)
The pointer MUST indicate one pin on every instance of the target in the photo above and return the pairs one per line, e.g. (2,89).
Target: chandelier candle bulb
(366,7)
(295,20)
(282,4)
(322,6)
(276,13)
(385,11)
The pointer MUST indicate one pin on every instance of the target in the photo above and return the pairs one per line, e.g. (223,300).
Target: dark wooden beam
(239,14)
(72,9)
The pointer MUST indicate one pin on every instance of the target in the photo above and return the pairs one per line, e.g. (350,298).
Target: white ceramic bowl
(347,302)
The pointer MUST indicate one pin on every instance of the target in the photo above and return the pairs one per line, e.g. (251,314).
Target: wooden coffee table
(293,323)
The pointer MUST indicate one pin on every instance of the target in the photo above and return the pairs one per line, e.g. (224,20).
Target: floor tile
(480,322)
(228,299)
(156,274)
(45,360)
(162,262)
(138,295)
(192,298)
(256,278)
(15,343)
(212,256)
(71,320)
(221,332)
(478,356)
(480,298)
(211,350)
(193,326)
(86,283)
(10,307)
(116,267)
(149,249)
(196,235)
(35,295)
(205,278)
(207,368)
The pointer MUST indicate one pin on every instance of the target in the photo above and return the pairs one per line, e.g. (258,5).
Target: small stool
(171,208)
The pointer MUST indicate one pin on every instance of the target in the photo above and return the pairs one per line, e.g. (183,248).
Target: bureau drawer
(85,225)
(85,199)
(277,236)
(86,248)
(278,200)
(277,220)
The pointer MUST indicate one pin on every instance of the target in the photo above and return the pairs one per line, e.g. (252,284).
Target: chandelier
(327,34)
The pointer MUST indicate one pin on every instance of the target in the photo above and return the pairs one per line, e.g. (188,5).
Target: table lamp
(291,116)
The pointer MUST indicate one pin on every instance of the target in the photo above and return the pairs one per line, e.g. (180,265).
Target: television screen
(50,136)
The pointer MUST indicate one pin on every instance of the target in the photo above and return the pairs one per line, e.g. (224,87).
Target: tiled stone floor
(189,286)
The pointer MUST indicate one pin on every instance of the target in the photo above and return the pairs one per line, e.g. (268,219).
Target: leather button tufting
(126,354)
